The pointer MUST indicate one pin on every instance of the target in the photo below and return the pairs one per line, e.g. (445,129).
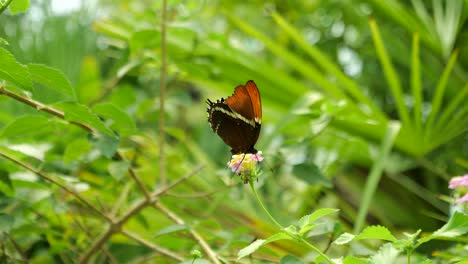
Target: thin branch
(152,246)
(62,186)
(53,111)
(88,233)
(135,178)
(41,107)
(135,209)
(162,95)
(97,244)
(174,217)
(18,248)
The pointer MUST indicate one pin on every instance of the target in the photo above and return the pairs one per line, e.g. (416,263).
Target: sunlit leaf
(18,6)
(118,168)
(76,149)
(250,248)
(376,232)
(82,114)
(25,126)
(122,121)
(52,79)
(13,71)
(344,239)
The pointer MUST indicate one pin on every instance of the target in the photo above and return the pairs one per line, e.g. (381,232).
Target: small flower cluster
(245,165)
(460,185)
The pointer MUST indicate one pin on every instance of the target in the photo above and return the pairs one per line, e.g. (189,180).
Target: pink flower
(463,199)
(245,165)
(458,181)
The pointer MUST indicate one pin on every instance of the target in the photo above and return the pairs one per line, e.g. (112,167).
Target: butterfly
(237,119)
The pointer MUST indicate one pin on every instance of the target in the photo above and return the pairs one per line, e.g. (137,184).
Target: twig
(174,217)
(88,233)
(154,247)
(41,107)
(62,186)
(135,209)
(18,248)
(162,94)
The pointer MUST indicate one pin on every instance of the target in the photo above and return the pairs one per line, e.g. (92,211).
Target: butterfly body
(237,119)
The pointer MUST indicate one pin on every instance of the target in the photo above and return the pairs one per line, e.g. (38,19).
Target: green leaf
(392,130)
(355,260)
(456,226)
(118,169)
(3,42)
(82,114)
(376,232)
(122,121)
(310,218)
(6,222)
(76,149)
(6,187)
(290,259)
(13,71)
(18,6)
(344,239)
(107,145)
(172,229)
(25,126)
(387,254)
(52,79)
(311,174)
(390,73)
(260,242)
(144,39)
(278,236)
(250,248)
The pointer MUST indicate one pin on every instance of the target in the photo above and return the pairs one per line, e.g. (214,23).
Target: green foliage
(363,110)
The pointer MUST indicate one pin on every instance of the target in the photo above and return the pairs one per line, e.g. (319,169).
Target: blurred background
(332,75)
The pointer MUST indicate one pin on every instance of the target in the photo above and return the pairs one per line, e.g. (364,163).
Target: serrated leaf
(376,232)
(310,218)
(13,71)
(18,6)
(25,126)
(122,122)
(171,229)
(76,149)
(80,113)
(250,248)
(6,222)
(118,168)
(344,239)
(456,226)
(53,79)
(386,254)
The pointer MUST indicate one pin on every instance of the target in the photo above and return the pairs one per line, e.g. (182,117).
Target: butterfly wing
(237,120)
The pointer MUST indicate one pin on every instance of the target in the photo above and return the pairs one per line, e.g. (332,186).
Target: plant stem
(281,227)
(317,250)
(263,206)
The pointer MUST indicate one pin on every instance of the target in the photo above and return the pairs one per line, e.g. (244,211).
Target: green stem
(280,227)
(4,6)
(317,250)
(263,206)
